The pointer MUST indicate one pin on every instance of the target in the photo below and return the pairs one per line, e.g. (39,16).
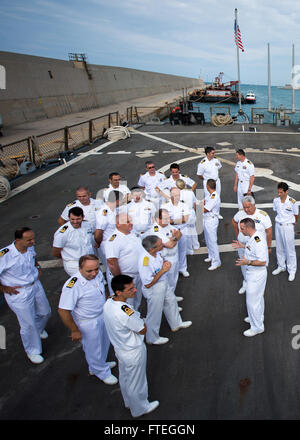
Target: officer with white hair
(81,310)
(244,176)
(73,239)
(287,216)
(262,223)
(211,209)
(256,260)
(24,293)
(126,330)
(160,297)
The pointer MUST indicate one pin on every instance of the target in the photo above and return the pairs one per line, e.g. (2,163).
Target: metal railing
(276,116)
(49,145)
(137,115)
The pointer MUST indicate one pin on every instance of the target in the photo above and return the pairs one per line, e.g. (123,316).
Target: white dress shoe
(185,274)
(214,267)
(291,276)
(36,358)
(112,364)
(110,380)
(179,298)
(207,260)
(250,332)
(160,341)
(242,290)
(184,324)
(44,335)
(179,309)
(152,406)
(278,270)
(220,217)
(247,319)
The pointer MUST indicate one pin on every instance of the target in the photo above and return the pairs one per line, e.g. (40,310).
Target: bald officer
(287,216)
(256,260)
(126,330)
(72,240)
(81,310)
(23,292)
(244,176)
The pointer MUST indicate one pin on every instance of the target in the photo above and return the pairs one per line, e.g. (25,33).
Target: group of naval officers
(136,242)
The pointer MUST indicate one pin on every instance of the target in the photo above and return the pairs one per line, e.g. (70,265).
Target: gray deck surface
(200,374)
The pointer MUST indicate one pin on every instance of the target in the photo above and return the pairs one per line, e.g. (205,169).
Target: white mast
(238,66)
(293,90)
(269,80)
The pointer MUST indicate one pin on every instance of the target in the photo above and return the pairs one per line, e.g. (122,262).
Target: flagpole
(238,67)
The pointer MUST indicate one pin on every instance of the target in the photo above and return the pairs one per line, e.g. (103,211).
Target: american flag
(237,36)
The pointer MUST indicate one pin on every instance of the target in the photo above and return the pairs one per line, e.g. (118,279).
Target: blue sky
(180,37)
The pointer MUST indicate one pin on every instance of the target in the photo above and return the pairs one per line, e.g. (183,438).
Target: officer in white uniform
(106,223)
(160,297)
(84,201)
(287,215)
(115,185)
(211,209)
(122,251)
(72,240)
(180,217)
(256,260)
(81,310)
(126,330)
(141,212)
(208,168)
(24,293)
(262,223)
(188,197)
(244,176)
(152,182)
(170,182)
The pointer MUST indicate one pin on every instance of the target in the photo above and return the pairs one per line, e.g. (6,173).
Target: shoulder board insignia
(213,196)
(161,173)
(292,200)
(202,161)
(263,212)
(104,212)
(185,175)
(155,230)
(3,252)
(71,282)
(249,162)
(127,310)
(166,178)
(146,261)
(112,237)
(71,204)
(63,229)
(257,239)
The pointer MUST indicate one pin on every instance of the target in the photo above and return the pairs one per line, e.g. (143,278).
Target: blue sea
(278,97)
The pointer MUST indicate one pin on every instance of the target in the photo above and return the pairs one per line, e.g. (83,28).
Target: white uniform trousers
(182,251)
(33,311)
(255,288)
(211,238)
(193,241)
(285,246)
(160,298)
(241,253)
(172,274)
(133,379)
(242,188)
(218,188)
(71,266)
(95,343)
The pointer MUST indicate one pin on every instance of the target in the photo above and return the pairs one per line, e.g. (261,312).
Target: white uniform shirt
(17,269)
(123,325)
(285,211)
(121,188)
(126,248)
(142,214)
(106,221)
(74,242)
(89,211)
(244,170)
(257,249)
(151,182)
(165,233)
(84,298)
(261,218)
(212,204)
(176,212)
(187,196)
(209,169)
(171,183)
(149,266)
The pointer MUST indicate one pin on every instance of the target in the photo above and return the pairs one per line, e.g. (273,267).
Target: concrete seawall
(39,88)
